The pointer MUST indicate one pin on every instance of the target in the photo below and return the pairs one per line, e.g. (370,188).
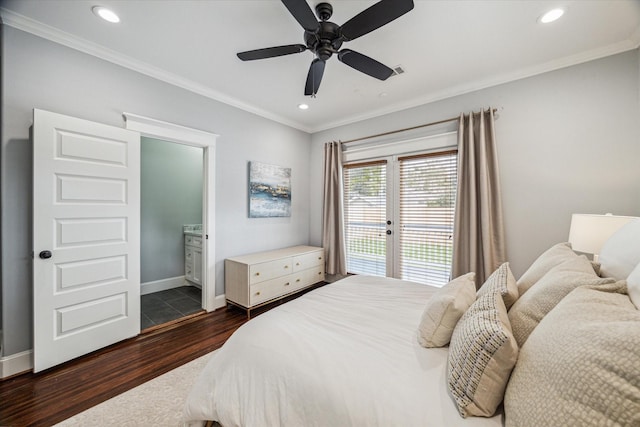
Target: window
(427,205)
(399,214)
(365,214)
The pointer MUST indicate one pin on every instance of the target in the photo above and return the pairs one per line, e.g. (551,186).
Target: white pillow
(633,286)
(444,309)
(621,252)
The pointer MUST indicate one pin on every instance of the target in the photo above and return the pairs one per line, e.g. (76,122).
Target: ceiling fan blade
(316,70)
(270,52)
(364,64)
(303,13)
(375,17)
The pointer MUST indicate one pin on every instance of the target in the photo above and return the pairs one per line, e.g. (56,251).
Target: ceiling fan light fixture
(106,14)
(303,106)
(324,38)
(551,16)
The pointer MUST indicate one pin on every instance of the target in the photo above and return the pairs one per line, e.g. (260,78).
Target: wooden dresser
(255,279)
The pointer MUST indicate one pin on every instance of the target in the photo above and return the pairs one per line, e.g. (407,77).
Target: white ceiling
(445,47)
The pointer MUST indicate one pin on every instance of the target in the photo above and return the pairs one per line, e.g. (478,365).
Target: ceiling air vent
(398,70)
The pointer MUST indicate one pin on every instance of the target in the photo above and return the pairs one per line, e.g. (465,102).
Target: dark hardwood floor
(48,397)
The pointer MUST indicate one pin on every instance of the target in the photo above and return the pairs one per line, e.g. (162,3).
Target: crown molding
(50,33)
(632,43)
(42,30)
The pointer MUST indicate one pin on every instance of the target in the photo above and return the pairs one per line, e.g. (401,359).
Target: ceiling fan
(325,38)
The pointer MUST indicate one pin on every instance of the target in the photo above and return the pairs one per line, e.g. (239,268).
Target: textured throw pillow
(621,252)
(581,366)
(633,285)
(444,309)
(531,307)
(502,282)
(553,256)
(481,356)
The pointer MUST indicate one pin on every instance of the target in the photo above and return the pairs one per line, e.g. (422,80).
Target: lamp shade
(589,232)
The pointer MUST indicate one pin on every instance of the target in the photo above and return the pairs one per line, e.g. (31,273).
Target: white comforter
(343,355)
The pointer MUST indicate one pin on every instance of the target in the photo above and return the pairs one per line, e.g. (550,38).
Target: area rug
(158,402)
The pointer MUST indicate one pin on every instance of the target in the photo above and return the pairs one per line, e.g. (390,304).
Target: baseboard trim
(18,363)
(219,302)
(15,364)
(162,285)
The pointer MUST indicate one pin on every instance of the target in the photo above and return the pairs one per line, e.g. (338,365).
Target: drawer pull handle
(319,272)
(258,293)
(297,263)
(297,280)
(286,266)
(258,273)
(286,284)
(319,257)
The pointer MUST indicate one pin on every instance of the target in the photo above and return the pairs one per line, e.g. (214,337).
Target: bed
(347,354)
(343,354)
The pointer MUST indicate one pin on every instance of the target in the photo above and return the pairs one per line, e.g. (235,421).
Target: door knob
(45,254)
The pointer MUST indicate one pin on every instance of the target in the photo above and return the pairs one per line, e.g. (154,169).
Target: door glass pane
(365,199)
(427,203)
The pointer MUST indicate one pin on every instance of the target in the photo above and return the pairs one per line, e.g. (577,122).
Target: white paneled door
(86,236)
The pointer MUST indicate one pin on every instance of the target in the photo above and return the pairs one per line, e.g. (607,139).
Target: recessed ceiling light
(303,106)
(551,16)
(106,14)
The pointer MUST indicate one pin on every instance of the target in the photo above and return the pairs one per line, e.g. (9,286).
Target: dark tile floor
(165,306)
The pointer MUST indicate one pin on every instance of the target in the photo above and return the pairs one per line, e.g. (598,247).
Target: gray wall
(568,141)
(170,196)
(41,74)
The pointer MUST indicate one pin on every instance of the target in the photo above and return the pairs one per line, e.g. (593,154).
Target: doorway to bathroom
(197,238)
(171,207)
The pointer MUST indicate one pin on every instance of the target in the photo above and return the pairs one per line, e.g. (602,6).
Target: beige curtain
(478,236)
(332,214)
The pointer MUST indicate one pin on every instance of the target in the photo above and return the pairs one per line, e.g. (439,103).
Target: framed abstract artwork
(269,190)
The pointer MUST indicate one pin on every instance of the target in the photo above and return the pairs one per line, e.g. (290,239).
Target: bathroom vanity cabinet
(193,258)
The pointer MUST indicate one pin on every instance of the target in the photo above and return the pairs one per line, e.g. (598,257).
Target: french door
(399,213)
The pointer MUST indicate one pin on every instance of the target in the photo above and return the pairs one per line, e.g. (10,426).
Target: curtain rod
(452,119)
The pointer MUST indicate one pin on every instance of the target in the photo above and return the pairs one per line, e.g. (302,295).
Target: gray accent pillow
(482,354)
(553,256)
(540,299)
(502,282)
(580,366)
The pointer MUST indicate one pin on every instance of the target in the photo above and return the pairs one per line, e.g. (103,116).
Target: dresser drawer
(303,262)
(270,289)
(305,278)
(269,270)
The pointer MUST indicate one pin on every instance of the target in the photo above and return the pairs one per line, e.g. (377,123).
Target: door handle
(45,254)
